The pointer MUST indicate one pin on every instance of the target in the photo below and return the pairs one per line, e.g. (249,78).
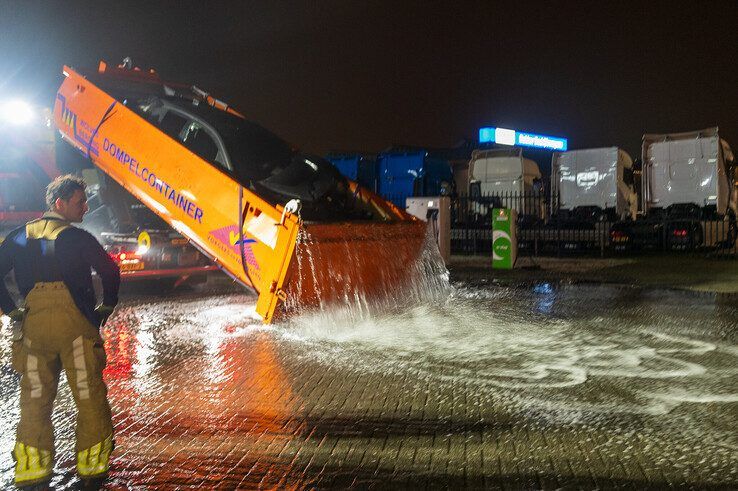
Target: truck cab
(593,184)
(689,200)
(504,178)
(688,174)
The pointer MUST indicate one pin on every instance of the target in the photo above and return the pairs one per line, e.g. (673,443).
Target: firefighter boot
(32,465)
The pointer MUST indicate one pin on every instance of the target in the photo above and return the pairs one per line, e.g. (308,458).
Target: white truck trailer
(689,199)
(593,183)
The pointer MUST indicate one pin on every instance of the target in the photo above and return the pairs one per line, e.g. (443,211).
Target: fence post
(558,240)
(664,226)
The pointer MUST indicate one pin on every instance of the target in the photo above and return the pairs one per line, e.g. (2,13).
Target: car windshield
(255,152)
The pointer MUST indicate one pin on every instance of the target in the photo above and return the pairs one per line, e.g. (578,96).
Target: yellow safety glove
(103,311)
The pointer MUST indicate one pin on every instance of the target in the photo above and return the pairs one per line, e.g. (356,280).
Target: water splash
(365,274)
(499,340)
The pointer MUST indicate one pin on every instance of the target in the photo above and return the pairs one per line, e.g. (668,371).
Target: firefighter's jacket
(50,249)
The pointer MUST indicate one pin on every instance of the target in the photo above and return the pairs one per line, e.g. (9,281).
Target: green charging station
(504,238)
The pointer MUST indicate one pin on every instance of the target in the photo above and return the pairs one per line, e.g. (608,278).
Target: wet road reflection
(542,387)
(195,403)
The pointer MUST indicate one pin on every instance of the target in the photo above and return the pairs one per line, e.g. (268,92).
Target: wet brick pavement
(203,398)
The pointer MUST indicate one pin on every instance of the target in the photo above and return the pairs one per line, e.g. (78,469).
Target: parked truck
(504,178)
(590,189)
(593,184)
(689,199)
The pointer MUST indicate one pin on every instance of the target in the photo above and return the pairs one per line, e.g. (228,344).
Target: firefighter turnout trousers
(57,336)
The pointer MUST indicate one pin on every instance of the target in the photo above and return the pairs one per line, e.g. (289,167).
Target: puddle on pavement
(647,352)
(556,355)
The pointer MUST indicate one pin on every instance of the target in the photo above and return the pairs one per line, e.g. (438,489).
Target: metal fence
(544,228)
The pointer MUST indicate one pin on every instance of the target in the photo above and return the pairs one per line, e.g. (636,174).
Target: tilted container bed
(234,190)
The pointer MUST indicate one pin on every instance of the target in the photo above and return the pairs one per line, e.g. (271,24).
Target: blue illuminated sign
(503,136)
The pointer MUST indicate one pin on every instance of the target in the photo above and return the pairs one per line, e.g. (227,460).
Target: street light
(16,112)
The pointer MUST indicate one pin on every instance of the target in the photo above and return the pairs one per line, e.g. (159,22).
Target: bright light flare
(16,112)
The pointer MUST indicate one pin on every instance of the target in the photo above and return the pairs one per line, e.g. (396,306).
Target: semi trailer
(498,177)
(688,194)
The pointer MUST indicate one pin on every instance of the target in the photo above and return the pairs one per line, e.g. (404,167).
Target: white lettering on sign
(540,141)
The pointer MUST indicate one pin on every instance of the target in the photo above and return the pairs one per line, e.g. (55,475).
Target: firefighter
(57,327)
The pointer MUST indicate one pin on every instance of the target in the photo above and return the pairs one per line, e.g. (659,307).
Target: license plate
(132,266)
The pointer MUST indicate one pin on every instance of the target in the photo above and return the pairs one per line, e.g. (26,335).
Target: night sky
(349,75)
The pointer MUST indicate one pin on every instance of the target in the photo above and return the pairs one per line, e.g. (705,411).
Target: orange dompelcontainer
(225,184)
